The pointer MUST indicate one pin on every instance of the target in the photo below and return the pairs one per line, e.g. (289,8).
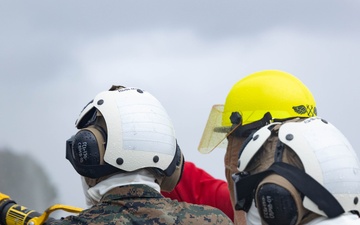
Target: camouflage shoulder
(206,215)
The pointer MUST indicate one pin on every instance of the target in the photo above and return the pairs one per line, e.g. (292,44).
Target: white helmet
(136,133)
(328,159)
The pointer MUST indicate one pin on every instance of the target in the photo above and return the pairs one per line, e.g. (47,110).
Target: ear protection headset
(85,151)
(279,200)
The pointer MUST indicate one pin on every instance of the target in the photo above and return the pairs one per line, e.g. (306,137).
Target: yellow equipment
(14,214)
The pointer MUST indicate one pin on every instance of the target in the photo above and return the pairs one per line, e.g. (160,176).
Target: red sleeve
(198,187)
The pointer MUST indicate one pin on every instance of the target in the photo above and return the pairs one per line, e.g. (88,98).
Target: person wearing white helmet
(311,176)
(126,152)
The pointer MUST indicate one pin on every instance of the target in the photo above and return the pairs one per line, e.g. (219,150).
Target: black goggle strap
(246,184)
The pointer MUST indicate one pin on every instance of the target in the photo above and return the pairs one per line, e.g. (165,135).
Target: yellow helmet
(277,92)
(264,93)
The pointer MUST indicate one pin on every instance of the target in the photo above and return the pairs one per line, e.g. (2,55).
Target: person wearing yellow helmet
(254,101)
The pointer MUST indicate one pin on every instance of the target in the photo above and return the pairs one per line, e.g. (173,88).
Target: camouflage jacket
(140,204)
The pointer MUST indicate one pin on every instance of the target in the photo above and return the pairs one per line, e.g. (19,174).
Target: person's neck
(121,179)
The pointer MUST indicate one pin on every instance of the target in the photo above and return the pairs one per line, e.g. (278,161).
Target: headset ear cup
(89,146)
(278,201)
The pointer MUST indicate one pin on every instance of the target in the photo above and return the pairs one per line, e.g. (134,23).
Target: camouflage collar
(131,191)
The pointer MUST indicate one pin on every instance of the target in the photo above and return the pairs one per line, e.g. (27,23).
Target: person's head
(254,101)
(125,130)
(298,171)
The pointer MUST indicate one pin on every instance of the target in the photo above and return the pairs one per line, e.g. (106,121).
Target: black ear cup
(85,150)
(88,146)
(276,205)
(278,201)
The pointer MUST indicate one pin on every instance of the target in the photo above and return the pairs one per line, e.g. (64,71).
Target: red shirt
(198,187)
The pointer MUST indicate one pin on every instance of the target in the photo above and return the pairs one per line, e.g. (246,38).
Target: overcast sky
(55,56)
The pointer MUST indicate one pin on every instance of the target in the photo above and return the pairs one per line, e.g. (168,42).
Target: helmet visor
(214,135)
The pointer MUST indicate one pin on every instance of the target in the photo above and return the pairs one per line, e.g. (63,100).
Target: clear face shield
(215,134)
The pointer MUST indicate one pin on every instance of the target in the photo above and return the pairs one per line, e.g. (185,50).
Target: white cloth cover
(94,194)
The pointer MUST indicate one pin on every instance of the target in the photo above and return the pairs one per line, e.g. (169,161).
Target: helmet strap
(297,177)
(246,130)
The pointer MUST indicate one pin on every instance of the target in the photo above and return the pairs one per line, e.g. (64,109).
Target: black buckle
(241,203)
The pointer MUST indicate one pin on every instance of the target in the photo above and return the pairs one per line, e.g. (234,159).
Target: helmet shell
(140,133)
(326,154)
(274,91)
(328,157)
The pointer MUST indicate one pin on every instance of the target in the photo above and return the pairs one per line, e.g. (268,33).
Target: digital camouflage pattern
(140,204)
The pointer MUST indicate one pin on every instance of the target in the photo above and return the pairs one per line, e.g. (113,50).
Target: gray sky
(55,56)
